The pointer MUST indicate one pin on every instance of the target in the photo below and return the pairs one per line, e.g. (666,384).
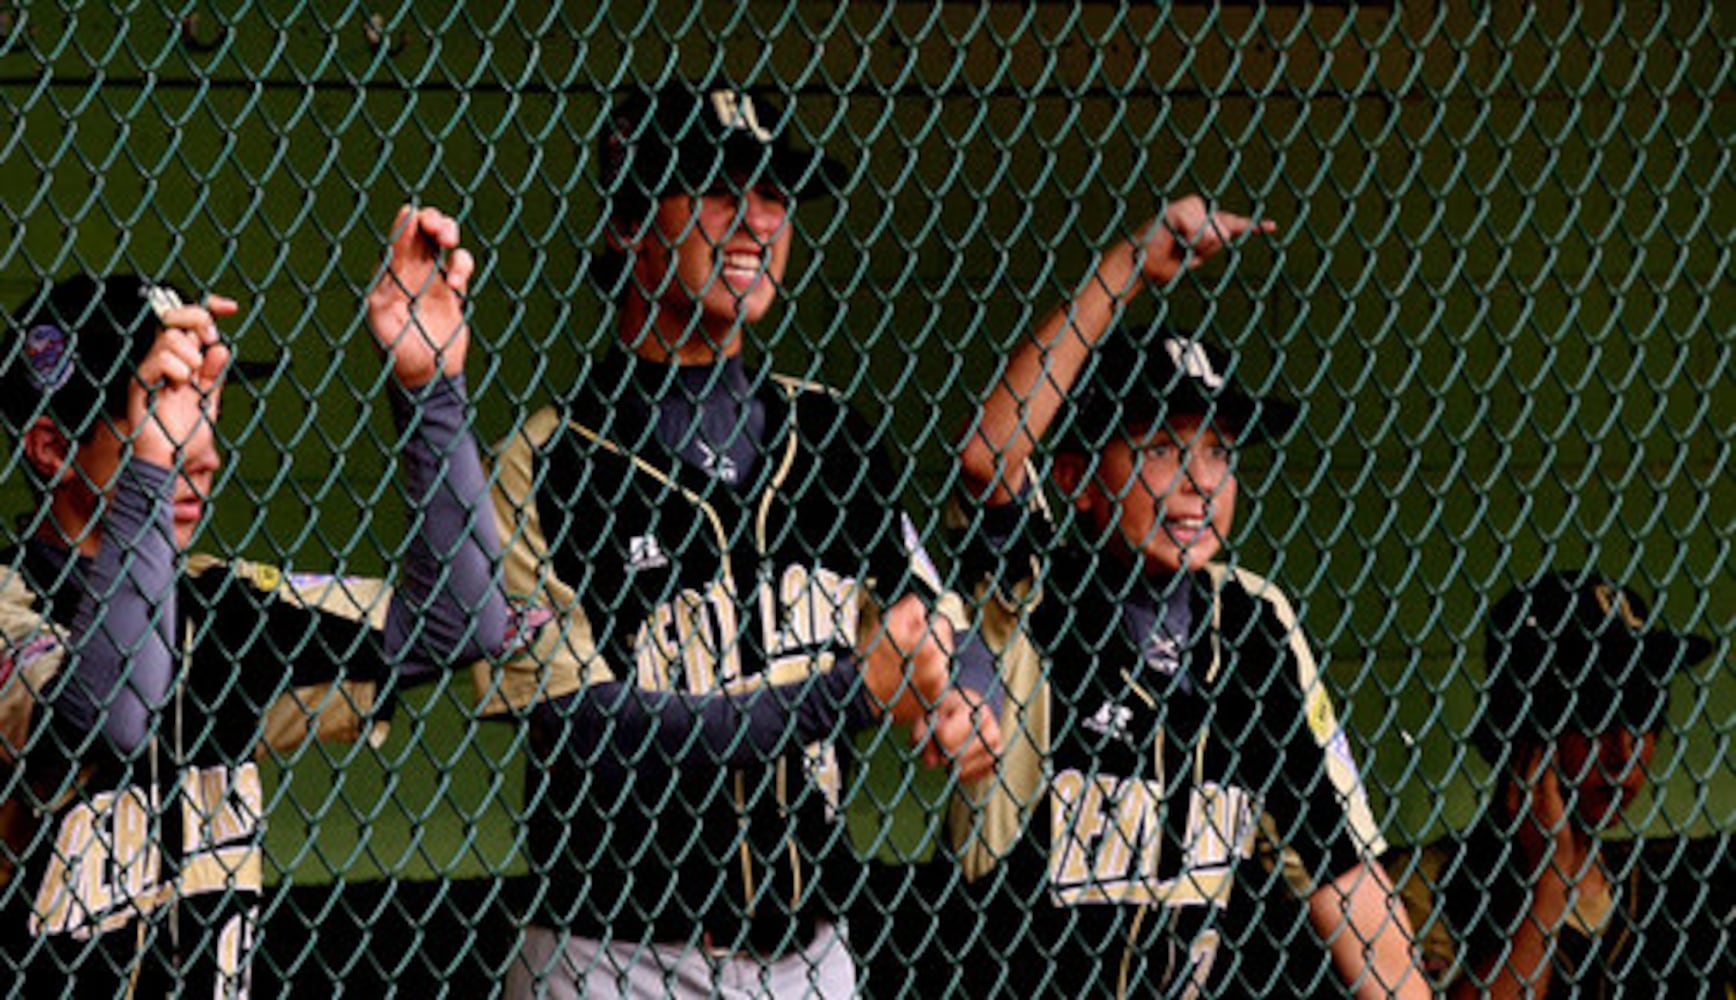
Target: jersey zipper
(1199,776)
(762,553)
(176,800)
(762,548)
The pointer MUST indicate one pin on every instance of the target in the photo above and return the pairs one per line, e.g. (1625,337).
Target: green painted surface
(1501,290)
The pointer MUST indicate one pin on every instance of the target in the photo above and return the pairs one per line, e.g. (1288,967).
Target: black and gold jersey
(1159,731)
(146,867)
(668,582)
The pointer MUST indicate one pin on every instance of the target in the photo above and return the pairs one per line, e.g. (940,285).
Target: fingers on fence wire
(180,380)
(416,306)
(906,661)
(963,732)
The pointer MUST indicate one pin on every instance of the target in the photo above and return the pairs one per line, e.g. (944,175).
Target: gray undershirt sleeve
(447,609)
(123,633)
(734,729)
(974,670)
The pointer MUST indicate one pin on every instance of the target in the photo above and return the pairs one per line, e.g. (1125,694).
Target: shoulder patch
(524,624)
(20,657)
(264,577)
(1339,746)
(314,583)
(1322,722)
(47,352)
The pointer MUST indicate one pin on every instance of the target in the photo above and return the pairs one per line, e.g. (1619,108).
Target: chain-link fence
(1498,292)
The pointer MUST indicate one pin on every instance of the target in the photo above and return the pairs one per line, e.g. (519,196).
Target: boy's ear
(619,241)
(1519,771)
(626,229)
(46,448)
(1069,473)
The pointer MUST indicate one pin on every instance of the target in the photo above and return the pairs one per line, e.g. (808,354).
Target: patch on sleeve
(1339,747)
(47,351)
(919,558)
(264,577)
(16,658)
(1321,720)
(313,583)
(524,625)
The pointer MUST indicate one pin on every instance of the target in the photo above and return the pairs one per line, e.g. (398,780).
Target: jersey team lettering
(689,643)
(106,868)
(1106,842)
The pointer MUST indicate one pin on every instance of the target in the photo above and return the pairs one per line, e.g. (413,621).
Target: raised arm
(1041,370)
(1560,862)
(1364,925)
(123,633)
(448,608)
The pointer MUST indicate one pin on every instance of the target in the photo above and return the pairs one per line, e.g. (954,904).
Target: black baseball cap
(72,349)
(1141,379)
(694,137)
(1573,652)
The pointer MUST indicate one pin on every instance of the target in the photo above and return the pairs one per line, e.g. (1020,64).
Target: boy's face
(1169,492)
(98,460)
(709,263)
(1604,772)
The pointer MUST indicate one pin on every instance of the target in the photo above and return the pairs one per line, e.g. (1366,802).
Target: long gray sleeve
(733,729)
(123,660)
(448,608)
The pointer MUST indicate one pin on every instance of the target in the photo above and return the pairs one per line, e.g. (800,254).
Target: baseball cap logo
(47,352)
(1614,603)
(1190,359)
(735,110)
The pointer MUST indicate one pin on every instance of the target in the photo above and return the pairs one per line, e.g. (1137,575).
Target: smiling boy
(1175,710)
(726,565)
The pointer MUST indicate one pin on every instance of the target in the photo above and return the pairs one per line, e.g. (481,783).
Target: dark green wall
(1501,291)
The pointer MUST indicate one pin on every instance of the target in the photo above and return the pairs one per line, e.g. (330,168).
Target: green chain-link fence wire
(1500,290)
